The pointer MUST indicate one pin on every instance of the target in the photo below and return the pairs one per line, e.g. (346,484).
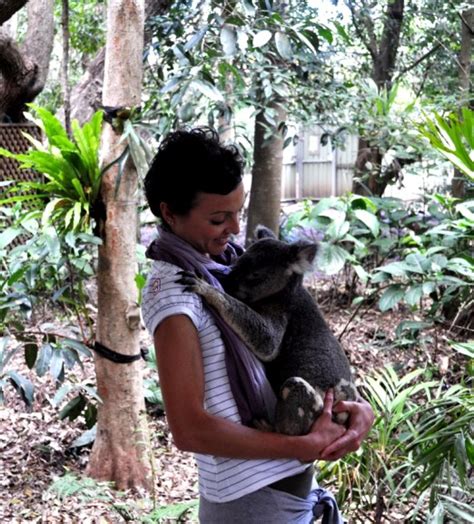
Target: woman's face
(209,225)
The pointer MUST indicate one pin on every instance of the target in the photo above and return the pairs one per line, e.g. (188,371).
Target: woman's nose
(234,226)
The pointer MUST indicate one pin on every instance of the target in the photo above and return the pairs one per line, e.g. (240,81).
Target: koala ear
(304,254)
(263,232)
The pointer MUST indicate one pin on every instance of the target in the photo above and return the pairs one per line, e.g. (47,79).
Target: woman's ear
(166,213)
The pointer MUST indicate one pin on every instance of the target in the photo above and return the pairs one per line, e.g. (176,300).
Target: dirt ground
(35,445)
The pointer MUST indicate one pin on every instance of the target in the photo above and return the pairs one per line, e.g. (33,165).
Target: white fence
(314,170)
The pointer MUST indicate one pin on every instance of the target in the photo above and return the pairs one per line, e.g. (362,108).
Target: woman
(212,386)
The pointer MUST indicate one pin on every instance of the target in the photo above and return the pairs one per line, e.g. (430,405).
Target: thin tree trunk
(458,187)
(64,66)
(120,452)
(368,168)
(86,95)
(265,194)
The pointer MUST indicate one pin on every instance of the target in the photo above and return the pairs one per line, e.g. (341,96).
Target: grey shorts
(268,505)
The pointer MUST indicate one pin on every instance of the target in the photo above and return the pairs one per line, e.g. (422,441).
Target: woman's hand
(323,432)
(361,418)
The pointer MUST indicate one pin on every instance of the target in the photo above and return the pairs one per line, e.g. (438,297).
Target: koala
(266,304)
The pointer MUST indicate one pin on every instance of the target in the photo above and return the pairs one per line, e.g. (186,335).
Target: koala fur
(268,307)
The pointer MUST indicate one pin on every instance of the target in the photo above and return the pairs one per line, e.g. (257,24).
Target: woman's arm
(194,429)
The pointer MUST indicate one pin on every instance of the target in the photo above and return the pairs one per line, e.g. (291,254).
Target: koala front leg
(260,336)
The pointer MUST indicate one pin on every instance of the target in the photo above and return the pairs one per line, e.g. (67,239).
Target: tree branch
(418,61)
(371,42)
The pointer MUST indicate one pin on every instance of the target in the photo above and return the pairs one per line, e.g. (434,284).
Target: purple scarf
(251,390)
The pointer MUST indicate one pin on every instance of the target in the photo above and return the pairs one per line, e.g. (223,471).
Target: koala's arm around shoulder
(261,334)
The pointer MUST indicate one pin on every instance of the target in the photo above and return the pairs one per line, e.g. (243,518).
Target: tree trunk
(23,71)
(87,93)
(384,61)
(367,173)
(368,168)
(265,194)
(120,452)
(458,187)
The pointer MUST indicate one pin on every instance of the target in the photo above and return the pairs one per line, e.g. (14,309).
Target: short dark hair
(189,162)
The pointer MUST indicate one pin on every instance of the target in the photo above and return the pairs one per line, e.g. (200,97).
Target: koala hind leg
(344,390)
(298,406)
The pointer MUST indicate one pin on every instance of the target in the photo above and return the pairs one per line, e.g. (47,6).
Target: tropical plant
(443,452)
(420,448)
(70,192)
(46,271)
(146,511)
(453,137)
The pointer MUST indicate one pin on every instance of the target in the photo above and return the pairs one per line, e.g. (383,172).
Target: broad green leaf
(196,38)
(23,386)
(391,297)
(8,236)
(208,90)
(261,38)
(413,295)
(44,359)
(325,32)
(85,438)
(73,408)
(361,273)
(465,348)
(398,269)
(342,32)
(331,258)
(283,45)
(370,220)
(61,393)
(334,214)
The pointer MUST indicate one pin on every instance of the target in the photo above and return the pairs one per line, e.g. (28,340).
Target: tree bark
(87,94)
(120,452)
(458,186)
(265,193)
(23,71)
(385,59)
(368,178)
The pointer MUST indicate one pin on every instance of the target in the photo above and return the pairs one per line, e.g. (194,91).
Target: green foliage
(385,249)
(71,169)
(421,439)
(453,137)
(179,512)
(208,65)
(87,489)
(47,271)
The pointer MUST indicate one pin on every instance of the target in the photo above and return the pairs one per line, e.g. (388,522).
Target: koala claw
(187,279)
(192,282)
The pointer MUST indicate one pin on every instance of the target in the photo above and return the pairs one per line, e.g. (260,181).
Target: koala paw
(192,282)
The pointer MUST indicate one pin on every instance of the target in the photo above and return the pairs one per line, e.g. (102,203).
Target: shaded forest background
(395,277)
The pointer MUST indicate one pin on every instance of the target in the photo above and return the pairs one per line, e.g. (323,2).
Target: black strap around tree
(118,358)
